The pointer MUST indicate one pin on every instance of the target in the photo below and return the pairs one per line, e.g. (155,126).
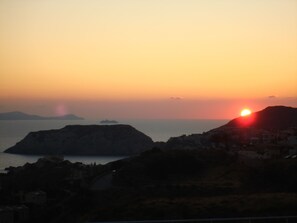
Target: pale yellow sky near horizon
(147,50)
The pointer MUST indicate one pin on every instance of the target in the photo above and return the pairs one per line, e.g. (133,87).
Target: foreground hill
(84,140)
(270,118)
(158,185)
(23,116)
(189,184)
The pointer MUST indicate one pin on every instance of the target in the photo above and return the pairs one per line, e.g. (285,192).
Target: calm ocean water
(159,130)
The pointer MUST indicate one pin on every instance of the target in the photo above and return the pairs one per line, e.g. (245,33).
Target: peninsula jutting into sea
(148,111)
(226,172)
(126,140)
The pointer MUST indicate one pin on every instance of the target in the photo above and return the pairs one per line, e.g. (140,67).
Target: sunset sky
(147,58)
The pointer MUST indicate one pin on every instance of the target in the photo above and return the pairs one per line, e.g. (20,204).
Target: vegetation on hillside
(158,184)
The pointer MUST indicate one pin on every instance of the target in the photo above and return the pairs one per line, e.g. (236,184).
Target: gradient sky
(147,58)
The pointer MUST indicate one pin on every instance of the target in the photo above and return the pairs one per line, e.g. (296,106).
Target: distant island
(272,126)
(106,121)
(16,115)
(244,168)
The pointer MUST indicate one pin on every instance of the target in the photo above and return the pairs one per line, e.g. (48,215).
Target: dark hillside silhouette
(271,118)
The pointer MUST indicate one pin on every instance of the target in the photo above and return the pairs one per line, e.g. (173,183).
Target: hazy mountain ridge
(16,115)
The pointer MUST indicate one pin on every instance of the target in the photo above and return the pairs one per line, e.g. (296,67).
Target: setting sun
(245,112)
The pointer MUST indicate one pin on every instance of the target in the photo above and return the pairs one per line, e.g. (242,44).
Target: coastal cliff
(84,140)
(230,172)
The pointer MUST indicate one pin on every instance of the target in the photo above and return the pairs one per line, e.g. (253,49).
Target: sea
(12,131)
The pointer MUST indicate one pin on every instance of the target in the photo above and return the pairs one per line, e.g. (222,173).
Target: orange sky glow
(184,58)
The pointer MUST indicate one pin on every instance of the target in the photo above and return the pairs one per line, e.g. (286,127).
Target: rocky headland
(274,125)
(84,140)
(229,172)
